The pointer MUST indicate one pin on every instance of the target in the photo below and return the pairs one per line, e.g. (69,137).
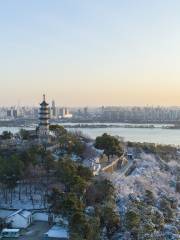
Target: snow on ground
(33,201)
(148,174)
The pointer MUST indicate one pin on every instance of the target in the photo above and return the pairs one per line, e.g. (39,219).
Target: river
(153,135)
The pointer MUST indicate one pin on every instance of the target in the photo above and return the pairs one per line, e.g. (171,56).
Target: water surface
(153,135)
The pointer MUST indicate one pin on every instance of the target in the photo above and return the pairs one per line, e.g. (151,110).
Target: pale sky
(90,52)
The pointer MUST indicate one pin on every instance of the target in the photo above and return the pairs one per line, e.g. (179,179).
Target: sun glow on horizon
(90,53)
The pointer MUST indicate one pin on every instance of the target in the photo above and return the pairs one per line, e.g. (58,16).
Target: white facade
(40,216)
(19,219)
(44,217)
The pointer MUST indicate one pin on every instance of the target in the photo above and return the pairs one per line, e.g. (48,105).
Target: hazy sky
(90,52)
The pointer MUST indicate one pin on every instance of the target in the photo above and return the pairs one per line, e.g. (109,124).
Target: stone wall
(115,164)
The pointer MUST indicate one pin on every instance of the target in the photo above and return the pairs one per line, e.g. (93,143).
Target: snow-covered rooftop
(58,232)
(10,230)
(25,213)
(5,213)
(8,213)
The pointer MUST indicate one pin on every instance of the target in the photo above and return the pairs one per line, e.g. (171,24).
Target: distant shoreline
(92,125)
(107,126)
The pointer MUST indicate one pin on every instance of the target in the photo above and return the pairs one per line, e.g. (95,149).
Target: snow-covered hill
(150,174)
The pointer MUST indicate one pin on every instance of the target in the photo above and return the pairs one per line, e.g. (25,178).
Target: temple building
(44,117)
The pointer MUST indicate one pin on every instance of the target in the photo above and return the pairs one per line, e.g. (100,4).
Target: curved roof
(44,103)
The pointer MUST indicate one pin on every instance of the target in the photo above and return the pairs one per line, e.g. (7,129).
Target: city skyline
(94,53)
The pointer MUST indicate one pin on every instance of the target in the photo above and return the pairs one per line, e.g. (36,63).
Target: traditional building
(44,120)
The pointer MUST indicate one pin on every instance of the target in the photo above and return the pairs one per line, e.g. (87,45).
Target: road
(35,231)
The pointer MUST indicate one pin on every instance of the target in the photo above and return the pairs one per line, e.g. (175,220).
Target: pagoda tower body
(44,120)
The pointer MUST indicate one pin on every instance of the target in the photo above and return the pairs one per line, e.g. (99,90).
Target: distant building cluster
(59,112)
(128,114)
(141,114)
(96,114)
(14,112)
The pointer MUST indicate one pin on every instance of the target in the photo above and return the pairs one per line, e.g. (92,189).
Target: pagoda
(44,120)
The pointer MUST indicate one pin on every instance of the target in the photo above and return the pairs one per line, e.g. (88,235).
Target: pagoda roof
(44,103)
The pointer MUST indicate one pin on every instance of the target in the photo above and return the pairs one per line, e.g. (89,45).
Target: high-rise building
(44,120)
(12,113)
(15,113)
(64,113)
(53,109)
(9,113)
(85,111)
